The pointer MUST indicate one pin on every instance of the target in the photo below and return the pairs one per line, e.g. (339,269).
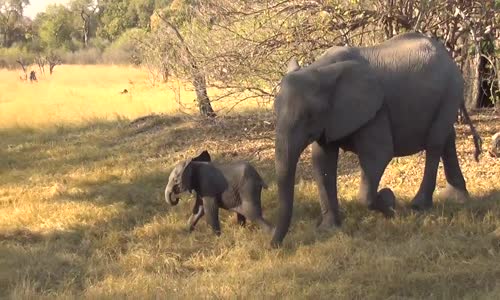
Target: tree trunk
(51,67)
(472,78)
(85,38)
(164,72)
(200,87)
(199,81)
(85,29)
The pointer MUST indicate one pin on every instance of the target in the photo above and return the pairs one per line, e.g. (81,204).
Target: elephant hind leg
(251,208)
(436,142)
(456,188)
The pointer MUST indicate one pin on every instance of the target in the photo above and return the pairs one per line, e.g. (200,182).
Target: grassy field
(85,94)
(82,211)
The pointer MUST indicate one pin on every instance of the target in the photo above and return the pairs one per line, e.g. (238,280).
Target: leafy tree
(175,27)
(251,41)
(56,27)
(12,24)
(115,17)
(85,17)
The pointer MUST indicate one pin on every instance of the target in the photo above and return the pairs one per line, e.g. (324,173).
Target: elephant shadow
(360,223)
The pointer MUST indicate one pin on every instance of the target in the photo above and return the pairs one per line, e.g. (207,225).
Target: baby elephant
(233,186)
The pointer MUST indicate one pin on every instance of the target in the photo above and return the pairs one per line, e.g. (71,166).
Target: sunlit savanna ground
(82,94)
(82,211)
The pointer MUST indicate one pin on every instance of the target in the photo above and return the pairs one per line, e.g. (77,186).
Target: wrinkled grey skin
(235,186)
(394,99)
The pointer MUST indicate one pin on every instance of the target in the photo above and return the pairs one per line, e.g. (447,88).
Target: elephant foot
(385,203)
(454,194)
(328,222)
(420,202)
(275,243)
(265,226)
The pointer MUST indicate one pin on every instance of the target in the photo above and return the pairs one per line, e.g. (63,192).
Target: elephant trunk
(170,196)
(287,157)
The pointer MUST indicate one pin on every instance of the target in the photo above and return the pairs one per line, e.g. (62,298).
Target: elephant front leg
(195,217)
(197,213)
(374,147)
(212,211)
(375,150)
(324,163)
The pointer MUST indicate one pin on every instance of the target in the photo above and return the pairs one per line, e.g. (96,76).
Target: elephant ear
(187,176)
(355,96)
(204,156)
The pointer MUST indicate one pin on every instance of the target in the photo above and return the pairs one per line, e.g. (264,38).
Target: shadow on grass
(357,220)
(60,149)
(35,263)
(49,259)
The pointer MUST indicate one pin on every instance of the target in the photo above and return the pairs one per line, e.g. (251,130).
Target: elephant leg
(439,134)
(212,210)
(374,147)
(324,164)
(455,188)
(423,199)
(250,206)
(264,225)
(195,217)
(241,219)
(372,170)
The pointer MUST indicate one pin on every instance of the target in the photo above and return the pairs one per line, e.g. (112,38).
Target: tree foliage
(242,47)
(56,27)
(12,23)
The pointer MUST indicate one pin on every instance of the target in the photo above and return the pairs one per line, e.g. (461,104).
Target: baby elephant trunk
(171,197)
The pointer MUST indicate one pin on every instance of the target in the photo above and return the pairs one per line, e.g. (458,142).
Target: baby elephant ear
(204,156)
(186,176)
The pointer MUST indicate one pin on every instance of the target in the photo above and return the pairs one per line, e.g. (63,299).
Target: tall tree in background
(11,20)
(182,15)
(85,15)
(256,39)
(56,27)
(115,18)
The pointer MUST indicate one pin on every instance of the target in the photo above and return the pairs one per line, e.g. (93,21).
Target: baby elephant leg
(251,207)
(198,212)
(241,219)
(387,197)
(212,210)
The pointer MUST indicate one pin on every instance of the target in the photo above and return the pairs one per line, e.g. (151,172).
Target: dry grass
(84,94)
(82,213)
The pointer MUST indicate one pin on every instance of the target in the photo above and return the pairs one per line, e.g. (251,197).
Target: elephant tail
(478,142)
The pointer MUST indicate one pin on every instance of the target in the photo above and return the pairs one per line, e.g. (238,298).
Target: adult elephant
(393,99)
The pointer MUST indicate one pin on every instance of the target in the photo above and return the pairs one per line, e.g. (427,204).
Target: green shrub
(125,49)
(9,57)
(87,56)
